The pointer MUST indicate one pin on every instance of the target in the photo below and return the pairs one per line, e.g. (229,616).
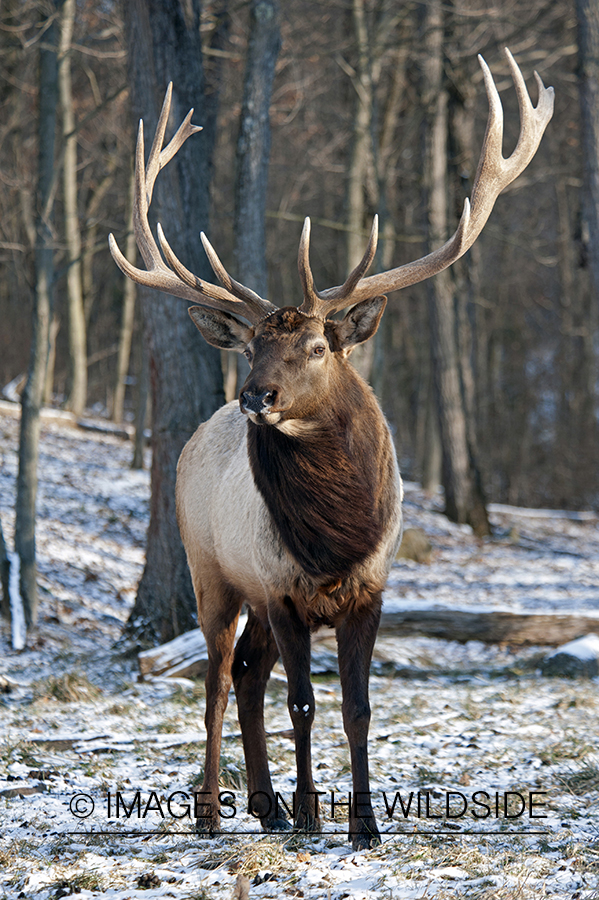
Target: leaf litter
(467,722)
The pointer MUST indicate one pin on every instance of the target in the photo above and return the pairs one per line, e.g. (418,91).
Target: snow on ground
(96,768)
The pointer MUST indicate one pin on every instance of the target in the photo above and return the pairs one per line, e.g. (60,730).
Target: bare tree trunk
(77,337)
(382,342)
(368,174)
(49,381)
(362,139)
(31,399)
(567,451)
(576,429)
(463,498)
(232,375)
(432,457)
(126,333)
(253,145)
(588,46)
(253,151)
(461,129)
(4,576)
(185,373)
(481,316)
(91,245)
(363,355)
(141,413)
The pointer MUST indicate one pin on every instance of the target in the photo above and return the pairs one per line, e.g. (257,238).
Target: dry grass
(72,687)
(582,780)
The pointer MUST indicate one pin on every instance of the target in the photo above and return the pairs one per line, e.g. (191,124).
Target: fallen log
(22,791)
(491,627)
(47,413)
(187,656)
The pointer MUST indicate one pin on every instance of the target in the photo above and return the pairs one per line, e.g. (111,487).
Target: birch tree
(4,576)
(31,400)
(77,331)
(128,314)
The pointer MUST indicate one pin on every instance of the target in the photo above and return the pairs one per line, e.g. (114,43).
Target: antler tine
(143,234)
(534,120)
(315,303)
(254,301)
(366,261)
(312,299)
(493,175)
(185,129)
(176,280)
(153,167)
(219,298)
(333,303)
(160,156)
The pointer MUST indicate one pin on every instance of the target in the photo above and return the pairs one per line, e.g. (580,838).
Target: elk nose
(257,402)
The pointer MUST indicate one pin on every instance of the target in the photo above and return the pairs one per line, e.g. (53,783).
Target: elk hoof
(279,824)
(207,827)
(364,839)
(307,822)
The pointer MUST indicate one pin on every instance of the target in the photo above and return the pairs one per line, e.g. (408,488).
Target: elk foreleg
(219,631)
(356,635)
(293,640)
(255,655)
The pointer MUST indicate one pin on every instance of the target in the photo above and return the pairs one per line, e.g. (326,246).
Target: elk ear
(359,324)
(221,329)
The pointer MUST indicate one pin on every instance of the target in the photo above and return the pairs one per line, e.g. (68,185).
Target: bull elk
(289,500)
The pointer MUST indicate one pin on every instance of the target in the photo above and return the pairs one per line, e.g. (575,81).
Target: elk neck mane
(325,489)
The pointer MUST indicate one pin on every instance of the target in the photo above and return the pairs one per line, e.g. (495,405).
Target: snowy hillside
(466,725)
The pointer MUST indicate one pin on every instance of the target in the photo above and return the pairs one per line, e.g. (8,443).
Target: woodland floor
(77,727)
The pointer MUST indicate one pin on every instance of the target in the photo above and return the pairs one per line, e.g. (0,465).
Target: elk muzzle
(258,404)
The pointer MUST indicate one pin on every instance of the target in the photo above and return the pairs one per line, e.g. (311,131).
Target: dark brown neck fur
(323,490)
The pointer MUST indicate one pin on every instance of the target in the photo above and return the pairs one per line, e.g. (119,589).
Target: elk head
(294,357)
(294,352)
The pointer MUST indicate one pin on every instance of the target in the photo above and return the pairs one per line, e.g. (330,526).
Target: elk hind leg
(356,635)
(255,655)
(219,624)
(293,640)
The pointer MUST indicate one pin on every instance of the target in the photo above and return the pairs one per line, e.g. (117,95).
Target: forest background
(376,107)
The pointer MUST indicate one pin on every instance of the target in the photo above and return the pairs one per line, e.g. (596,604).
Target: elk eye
(319,350)
(248,354)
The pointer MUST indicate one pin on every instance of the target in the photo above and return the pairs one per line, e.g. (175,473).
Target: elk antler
(494,173)
(177,280)
(312,299)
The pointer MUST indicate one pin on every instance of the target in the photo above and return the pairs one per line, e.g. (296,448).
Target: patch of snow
(471,717)
(17,613)
(572,515)
(585,648)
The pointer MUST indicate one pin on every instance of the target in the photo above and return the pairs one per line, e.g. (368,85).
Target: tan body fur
(228,532)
